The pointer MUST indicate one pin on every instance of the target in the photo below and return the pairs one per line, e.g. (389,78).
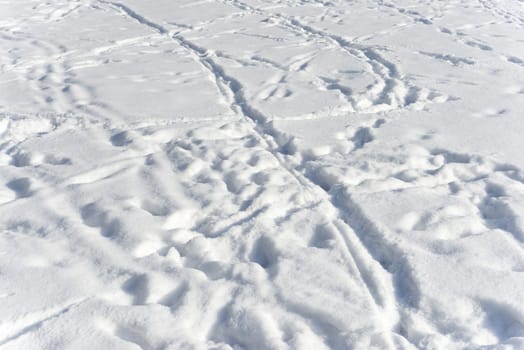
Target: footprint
(497,214)
(379,122)
(94,216)
(138,287)
(478,45)
(264,252)
(362,136)
(21,186)
(235,181)
(121,139)
(21,158)
(452,157)
(57,160)
(495,190)
(173,298)
(503,320)
(451,59)
(324,237)
(515,60)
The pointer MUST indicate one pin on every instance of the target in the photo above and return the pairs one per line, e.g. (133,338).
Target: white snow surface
(261,174)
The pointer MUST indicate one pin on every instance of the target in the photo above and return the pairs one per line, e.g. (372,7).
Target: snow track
(389,91)
(261,175)
(368,272)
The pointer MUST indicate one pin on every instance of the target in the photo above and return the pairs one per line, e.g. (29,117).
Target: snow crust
(261,174)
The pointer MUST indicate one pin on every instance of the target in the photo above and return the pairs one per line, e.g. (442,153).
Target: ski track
(260,126)
(35,321)
(392,91)
(212,189)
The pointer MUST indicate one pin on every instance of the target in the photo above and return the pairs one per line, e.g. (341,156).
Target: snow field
(261,175)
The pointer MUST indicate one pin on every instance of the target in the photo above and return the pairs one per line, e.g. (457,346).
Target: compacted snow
(261,174)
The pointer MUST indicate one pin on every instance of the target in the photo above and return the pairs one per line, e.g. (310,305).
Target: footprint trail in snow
(249,174)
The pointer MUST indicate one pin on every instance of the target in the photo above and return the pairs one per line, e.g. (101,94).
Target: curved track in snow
(261,175)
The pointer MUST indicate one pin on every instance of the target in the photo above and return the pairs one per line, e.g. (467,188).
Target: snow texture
(261,174)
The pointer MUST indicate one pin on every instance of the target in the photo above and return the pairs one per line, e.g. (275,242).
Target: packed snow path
(254,174)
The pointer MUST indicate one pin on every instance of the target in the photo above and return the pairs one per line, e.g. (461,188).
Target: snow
(261,174)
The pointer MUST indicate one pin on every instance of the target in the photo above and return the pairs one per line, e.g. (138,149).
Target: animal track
(167,181)
(21,186)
